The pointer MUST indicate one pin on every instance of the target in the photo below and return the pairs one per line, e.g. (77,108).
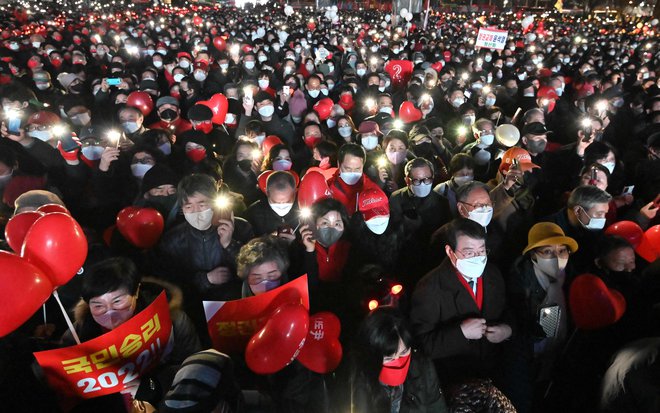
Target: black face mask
(245,165)
(77,88)
(168,115)
(424,150)
(162,204)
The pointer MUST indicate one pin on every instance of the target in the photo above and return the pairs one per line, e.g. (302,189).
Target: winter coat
(265,221)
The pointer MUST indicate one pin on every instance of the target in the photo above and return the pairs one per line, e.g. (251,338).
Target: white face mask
(457,102)
(550,266)
(267,111)
(422,190)
(139,169)
(378,225)
(314,93)
(200,220)
(462,180)
(472,268)
(263,83)
(165,148)
(369,142)
(130,127)
(361,72)
(281,209)
(331,123)
(81,119)
(487,140)
(93,153)
(224,66)
(178,77)
(200,76)
(158,64)
(42,135)
(184,64)
(481,216)
(350,178)
(594,224)
(610,166)
(345,131)
(260,138)
(249,65)
(396,157)
(262,58)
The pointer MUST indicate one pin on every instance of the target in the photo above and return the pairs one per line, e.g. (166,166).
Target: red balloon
(311,25)
(649,247)
(142,227)
(408,113)
(277,344)
(312,188)
(23,289)
(324,108)
(197,20)
(263,179)
(48,208)
(629,230)
(322,351)
(57,245)
(141,100)
(594,305)
(219,43)
(218,105)
(400,71)
(108,233)
(18,226)
(269,142)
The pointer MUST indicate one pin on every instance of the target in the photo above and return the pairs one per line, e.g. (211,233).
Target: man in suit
(459,312)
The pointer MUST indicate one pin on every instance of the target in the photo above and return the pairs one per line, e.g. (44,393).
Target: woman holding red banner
(112,293)
(387,374)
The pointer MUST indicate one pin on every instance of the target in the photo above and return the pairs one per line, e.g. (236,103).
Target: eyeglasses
(120,303)
(404,353)
(147,160)
(549,252)
(470,253)
(425,181)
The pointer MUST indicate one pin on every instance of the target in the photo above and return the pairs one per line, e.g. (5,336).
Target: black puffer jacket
(265,221)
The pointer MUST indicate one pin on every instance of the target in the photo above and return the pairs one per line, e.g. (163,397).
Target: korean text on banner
(114,361)
(492,38)
(231,324)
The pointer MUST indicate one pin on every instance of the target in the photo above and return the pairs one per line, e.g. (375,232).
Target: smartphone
(594,175)
(68,144)
(549,317)
(467,94)
(113,81)
(286,90)
(248,92)
(628,190)
(14,125)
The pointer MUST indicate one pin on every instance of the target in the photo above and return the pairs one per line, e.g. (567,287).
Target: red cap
(547,92)
(201,66)
(184,54)
(519,155)
(43,118)
(373,203)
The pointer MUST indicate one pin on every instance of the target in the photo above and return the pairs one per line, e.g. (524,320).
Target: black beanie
(158,175)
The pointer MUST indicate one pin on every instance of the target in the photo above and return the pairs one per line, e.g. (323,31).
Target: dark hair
(267,164)
(417,163)
(396,134)
(377,337)
(323,206)
(280,181)
(261,250)
(460,161)
(329,149)
(195,183)
(611,243)
(351,149)
(110,275)
(461,227)
(254,126)
(17,92)
(243,142)
(152,137)
(597,150)
(598,166)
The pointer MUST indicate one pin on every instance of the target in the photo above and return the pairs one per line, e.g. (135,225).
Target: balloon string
(66,317)
(44,312)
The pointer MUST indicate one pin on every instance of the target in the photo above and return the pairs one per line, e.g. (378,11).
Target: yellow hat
(547,233)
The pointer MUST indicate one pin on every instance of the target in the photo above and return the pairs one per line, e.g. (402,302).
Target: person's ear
(462,211)
(524,140)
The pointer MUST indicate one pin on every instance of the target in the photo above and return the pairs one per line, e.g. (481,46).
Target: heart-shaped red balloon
(57,246)
(142,227)
(218,105)
(18,227)
(408,113)
(400,71)
(219,43)
(23,289)
(277,344)
(629,230)
(263,179)
(649,246)
(141,100)
(48,208)
(594,305)
(324,108)
(322,351)
(313,187)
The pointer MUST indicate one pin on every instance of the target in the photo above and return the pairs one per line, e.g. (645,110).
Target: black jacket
(265,221)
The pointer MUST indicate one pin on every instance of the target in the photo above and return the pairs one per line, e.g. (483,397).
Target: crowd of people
(480,184)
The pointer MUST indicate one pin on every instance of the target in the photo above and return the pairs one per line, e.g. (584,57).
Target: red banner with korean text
(231,324)
(113,362)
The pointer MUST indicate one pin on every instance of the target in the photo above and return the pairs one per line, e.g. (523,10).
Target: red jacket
(332,261)
(347,194)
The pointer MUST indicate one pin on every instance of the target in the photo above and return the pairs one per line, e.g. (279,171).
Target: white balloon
(288,10)
(531,37)
(388,17)
(383,24)
(334,8)
(409,17)
(403,13)
(527,21)
(335,19)
(654,22)
(333,14)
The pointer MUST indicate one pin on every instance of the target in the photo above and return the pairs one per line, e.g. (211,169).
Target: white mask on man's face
(378,225)
(281,209)
(200,220)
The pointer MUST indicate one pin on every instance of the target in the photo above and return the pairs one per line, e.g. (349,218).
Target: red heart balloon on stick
(18,227)
(57,245)
(629,230)
(408,113)
(23,289)
(218,105)
(277,344)
(322,351)
(649,246)
(313,187)
(142,227)
(594,305)
(219,43)
(141,100)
